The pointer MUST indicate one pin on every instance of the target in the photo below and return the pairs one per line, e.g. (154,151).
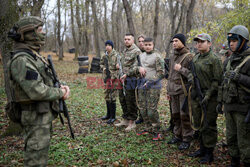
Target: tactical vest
(35,62)
(149,63)
(234,92)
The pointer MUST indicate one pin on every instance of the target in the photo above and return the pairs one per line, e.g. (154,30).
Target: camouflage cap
(203,37)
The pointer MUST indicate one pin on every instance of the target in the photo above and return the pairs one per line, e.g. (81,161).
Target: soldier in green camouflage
(32,87)
(110,76)
(236,96)
(130,69)
(149,89)
(208,68)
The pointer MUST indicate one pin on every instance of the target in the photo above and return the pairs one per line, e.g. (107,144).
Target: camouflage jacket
(154,65)
(208,68)
(174,85)
(112,62)
(129,61)
(237,91)
(32,79)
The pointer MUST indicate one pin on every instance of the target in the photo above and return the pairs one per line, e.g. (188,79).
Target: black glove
(219,108)
(234,76)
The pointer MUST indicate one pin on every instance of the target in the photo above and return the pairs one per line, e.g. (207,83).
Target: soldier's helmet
(24,25)
(240,30)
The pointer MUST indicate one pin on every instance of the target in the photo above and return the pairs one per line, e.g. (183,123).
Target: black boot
(198,153)
(108,111)
(208,157)
(246,164)
(112,113)
(235,162)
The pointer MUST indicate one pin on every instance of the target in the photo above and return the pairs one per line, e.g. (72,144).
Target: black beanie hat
(109,42)
(181,37)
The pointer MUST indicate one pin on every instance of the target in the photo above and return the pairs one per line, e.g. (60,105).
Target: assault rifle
(199,92)
(121,74)
(62,105)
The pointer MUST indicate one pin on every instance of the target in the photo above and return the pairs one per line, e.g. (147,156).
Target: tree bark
(105,20)
(118,25)
(86,37)
(80,28)
(73,29)
(142,17)
(156,20)
(190,15)
(96,33)
(60,43)
(36,8)
(128,11)
(8,16)
(113,23)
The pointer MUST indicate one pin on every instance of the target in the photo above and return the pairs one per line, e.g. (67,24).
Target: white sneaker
(131,126)
(124,122)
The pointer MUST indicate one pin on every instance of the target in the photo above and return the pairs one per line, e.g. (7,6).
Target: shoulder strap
(185,55)
(182,82)
(242,63)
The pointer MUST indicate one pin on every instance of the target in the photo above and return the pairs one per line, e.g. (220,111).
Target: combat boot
(208,157)
(198,153)
(235,162)
(112,113)
(124,122)
(108,111)
(131,126)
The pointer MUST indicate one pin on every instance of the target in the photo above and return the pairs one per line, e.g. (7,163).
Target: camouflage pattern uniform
(110,91)
(182,129)
(130,67)
(148,97)
(236,100)
(32,84)
(208,67)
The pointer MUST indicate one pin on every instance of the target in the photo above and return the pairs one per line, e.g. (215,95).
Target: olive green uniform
(236,100)
(148,97)
(208,68)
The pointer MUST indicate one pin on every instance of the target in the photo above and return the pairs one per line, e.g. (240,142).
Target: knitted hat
(109,42)
(181,37)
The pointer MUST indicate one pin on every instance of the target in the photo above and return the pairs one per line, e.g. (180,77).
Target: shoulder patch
(31,75)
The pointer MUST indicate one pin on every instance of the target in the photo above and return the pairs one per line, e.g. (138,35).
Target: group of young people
(198,88)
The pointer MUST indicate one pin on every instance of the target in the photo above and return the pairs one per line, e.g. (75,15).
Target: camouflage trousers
(208,134)
(181,120)
(238,134)
(110,94)
(37,133)
(148,101)
(128,104)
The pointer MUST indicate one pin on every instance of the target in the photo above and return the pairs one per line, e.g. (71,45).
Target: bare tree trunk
(105,20)
(156,20)
(86,38)
(190,15)
(142,17)
(8,16)
(96,33)
(80,29)
(73,29)
(118,25)
(60,43)
(37,6)
(128,11)
(113,22)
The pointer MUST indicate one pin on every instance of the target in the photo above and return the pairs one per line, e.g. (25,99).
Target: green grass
(99,144)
